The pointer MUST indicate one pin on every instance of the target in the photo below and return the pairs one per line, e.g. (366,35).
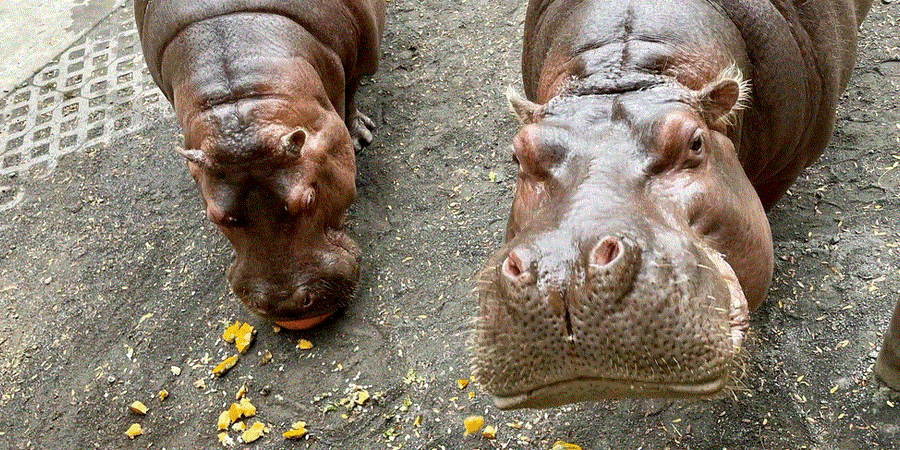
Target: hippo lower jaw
(571,391)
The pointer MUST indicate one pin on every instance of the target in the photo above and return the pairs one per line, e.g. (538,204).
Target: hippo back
(349,28)
(802,56)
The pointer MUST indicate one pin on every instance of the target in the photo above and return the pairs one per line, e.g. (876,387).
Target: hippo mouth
(570,391)
(560,373)
(324,283)
(739,312)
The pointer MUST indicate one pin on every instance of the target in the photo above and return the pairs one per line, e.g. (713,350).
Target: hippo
(264,93)
(887,365)
(654,138)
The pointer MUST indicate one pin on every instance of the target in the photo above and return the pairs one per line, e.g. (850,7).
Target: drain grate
(99,88)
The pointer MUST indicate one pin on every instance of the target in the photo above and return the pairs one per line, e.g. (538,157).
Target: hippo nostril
(222,219)
(230,222)
(605,252)
(512,266)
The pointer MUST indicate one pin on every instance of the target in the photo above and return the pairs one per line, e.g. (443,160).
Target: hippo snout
(318,298)
(300,289)
(617,315)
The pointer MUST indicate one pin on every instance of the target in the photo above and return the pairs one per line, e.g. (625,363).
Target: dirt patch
(111,277)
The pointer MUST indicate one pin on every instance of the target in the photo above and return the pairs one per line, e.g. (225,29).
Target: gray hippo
(264,93)
(654,138)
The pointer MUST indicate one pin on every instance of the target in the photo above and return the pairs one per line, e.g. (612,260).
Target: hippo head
(277,177)
(635,247)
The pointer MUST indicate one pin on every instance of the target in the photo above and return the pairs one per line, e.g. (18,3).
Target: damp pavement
(112,283)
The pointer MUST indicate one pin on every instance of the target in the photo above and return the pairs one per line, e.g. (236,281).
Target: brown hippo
(655,137)
(264,93)
(887,366)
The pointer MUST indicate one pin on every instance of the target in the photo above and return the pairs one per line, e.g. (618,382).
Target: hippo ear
(292,142)
(720,100)
(192,155)
(522,108)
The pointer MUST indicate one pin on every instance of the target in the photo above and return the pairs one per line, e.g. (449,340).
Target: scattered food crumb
(138,408)
(254,432)
(230,333)
(176,370)
(244,337)
(224,420)
(266,357)
(234,413)
(303,344)
(239,426)
(241,392)
(162,394)
(360,396)
(223,366)
(134,431)
(462,383)
(560,445)
(472,424)
(412,377)
(200,383)
(225,439)
(297,431)
(247,408)
(490,432)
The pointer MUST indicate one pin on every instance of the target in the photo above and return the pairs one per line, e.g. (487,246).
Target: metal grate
(95,90)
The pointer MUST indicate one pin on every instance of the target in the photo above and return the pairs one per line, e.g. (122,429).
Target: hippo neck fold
(610,86)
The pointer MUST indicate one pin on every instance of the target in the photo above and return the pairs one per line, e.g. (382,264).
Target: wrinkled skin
(265,100)
(653,141)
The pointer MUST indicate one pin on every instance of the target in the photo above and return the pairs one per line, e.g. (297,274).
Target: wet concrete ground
(110,277)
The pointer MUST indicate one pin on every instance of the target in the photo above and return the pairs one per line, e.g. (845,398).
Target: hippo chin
(637,242)
(264,91)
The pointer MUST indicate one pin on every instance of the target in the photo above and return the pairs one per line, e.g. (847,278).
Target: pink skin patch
(303,324)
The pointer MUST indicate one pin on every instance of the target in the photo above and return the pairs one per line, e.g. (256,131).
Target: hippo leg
(887,366)
(359,124)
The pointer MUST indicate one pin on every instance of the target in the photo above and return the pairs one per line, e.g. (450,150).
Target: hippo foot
(361,128)
(887,369)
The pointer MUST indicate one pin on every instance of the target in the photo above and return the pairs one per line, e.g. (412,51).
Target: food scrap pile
(232,419)
(239,422)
